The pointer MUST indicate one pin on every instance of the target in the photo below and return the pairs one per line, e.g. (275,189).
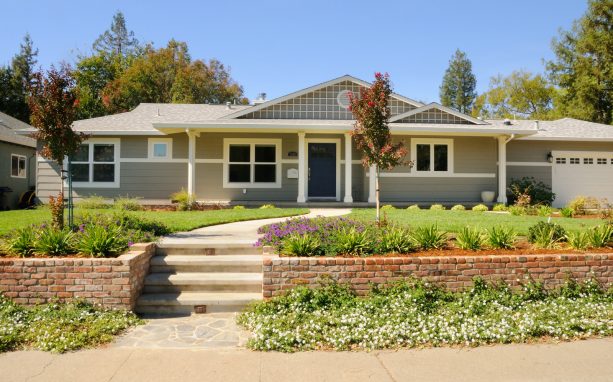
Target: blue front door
(322,170)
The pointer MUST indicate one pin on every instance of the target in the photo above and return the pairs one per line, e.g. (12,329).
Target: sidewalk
(590,360)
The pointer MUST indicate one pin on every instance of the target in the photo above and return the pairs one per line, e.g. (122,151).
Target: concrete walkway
(590,360)
(240,232)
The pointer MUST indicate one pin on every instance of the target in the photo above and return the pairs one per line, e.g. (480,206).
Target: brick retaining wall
(112,282)
(282,273)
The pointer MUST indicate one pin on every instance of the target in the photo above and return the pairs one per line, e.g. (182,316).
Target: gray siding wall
(18,185)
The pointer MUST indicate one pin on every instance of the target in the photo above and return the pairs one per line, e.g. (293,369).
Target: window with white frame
(160,148)
(18,166)
(560,160)
(252,163)
(96,164)
(432,156)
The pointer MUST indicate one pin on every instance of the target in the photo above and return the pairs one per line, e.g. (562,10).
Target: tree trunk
(377,195)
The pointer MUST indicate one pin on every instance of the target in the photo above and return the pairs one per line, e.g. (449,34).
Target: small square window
(588,160)
(574,161)
(160,150)
(82,154)
(240,153)
(104,153)
(560,160)
(601,161)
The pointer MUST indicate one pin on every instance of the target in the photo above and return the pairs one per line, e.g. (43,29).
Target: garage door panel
(582,173)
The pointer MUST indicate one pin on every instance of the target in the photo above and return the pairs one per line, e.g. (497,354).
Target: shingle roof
(563,129)
(8,131)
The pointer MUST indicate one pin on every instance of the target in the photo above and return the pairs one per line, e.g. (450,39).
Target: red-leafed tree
(371,131)
(53,105)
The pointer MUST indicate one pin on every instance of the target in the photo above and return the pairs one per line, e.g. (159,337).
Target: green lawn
(453,221)
(176,221)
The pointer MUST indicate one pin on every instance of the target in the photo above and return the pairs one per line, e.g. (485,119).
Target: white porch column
(191,163)
(348,166)
(502,169)
(301,168)
(372,178)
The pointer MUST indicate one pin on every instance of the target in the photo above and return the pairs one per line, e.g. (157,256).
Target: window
(18,166)
(252,163)
(560,160)
(588,160)
(160,148)
(574,161)
(601,161)
(432,155)
(96,164)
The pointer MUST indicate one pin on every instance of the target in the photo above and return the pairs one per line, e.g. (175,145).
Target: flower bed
(420,314)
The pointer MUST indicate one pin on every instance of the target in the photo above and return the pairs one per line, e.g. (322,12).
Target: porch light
(549,157)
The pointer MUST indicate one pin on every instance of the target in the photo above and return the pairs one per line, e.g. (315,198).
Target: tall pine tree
(458,88)
(117,40)
(583,67)
(16,80)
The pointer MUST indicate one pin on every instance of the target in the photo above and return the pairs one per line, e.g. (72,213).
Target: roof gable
(436,114)
(327,100)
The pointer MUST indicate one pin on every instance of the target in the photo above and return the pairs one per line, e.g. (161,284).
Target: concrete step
(204,282)
(188,301)
(207,249)
(205,264)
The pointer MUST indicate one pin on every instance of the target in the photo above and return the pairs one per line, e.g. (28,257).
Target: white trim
(301,198)
(252,142)
(191,163)
(502,169)
(529,164)
(337,142)
(153,141)
(413,175)
(116,161)
(432,142)
(348,167)
(440,107)
(372,185)
(586,154)
(25,166)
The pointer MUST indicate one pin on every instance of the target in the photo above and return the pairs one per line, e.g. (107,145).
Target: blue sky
(281,46)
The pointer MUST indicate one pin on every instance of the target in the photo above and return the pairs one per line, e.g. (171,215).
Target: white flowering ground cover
(416,314)
(59,327)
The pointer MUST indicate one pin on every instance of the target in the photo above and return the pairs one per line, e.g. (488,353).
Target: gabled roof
(443,109)
(310,89)
(9,127)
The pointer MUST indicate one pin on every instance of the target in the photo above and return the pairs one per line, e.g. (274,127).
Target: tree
(519,95)
(53,106)
(371,131)
(458,88)
(117,40)
(169,75)
(583,67)
(16,79)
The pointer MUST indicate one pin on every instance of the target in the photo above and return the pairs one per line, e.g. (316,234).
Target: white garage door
(583,173)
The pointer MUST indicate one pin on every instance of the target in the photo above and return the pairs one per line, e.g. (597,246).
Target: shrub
(470,238)
(567,212)
(238,207)
(54,242)
(100,241)
(458,207)
(518,210)
(539,192)
(413,207)
(94,202)
(581,204)
(500,207)
(128,204)
(501,237)
(578,240)
(267,206)
(301,245)
(429,237)
(350,241)
(544,211)
(21,242)
(437,207)
(600,236)
(56,205)
(480,208)
(185,201)
(396,240)
(388,207)
(126,220)
(546,235)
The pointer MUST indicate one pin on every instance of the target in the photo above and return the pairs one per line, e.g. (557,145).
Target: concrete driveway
(590,360)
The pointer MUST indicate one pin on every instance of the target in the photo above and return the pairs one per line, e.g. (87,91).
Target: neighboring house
(298,148)
(17,161)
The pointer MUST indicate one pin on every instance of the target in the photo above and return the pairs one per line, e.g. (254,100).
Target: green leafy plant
(544,210)
(518,210)
(500,207)
(100,241)
(301,245)
(238,207)
(350,241)
(578,240)
(600,236)
(470,239)
(437,207)
(582,204)
(21,242)
(539,192)
(54,242)
(267,206)
(546,235)
(185,201)
(126,203)
(501,237)
(93,202)
(396,240)
(413,207)
(429,237)
(567,212)
(458,207)
(388,207)
(480,208)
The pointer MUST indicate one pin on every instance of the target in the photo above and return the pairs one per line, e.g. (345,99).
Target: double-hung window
(18,166)
(432,156)
(96,164)
(252,163)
